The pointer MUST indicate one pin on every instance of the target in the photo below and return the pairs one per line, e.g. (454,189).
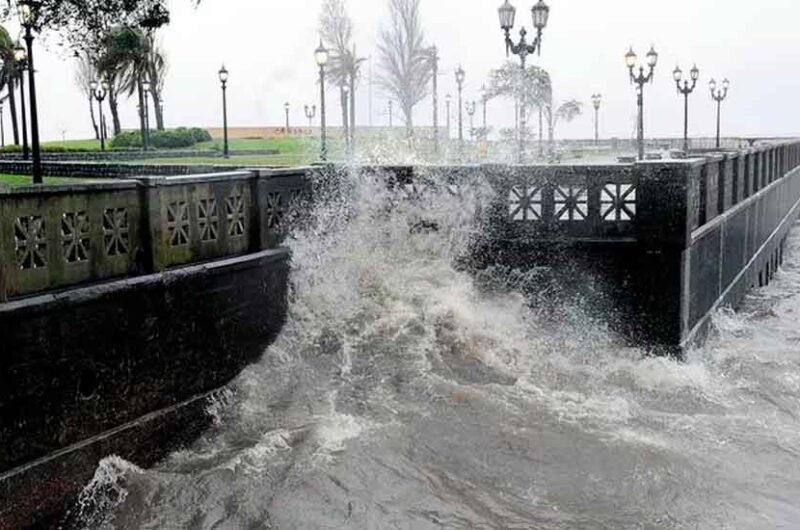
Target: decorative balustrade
(53,237)
(64,235)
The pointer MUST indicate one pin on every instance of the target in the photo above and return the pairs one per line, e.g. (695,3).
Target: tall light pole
(20,58)
(29,13)
(540,14)
(640,80)
(321,58)
(286,108)
(719,96)
(311,113)
(146,90)
(596,100)
(100,89)
(434,58)
(460,76)
(223,79)
(677,75)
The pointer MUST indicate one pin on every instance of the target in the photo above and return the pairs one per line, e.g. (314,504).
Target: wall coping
(60,189)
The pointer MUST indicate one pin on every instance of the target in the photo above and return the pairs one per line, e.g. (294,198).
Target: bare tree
(85,74)
(404,59)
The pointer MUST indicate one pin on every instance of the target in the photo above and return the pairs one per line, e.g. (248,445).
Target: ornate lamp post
(20,58)
(311,113)
(321,58)
(146,90)
(471,114)
(640,80)
(100,90)
(596,101)
(540,13)
(460,76)
(719,96)
(29,13)
(677,75)
(223,79)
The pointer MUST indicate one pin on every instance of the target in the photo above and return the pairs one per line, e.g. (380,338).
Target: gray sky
(268,47)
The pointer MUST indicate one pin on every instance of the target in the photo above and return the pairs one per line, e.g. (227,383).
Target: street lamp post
(596,100)
(686,90)
(286,107)
(640,80)
(100,90)
(223,79)
(321,58)
(20,58)
(460,76)
(29,12)
(540,14)
(146,89)
(471,113)
(311,113)
(719,96)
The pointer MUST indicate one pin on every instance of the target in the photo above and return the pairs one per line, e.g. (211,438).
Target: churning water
(406,394)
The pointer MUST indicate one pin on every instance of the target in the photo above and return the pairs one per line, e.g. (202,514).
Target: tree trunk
(157,108)
(94,121)
(352,114)
(541,132)
(345,119)
(112,104)
(140,92)
(408,112)
(12,103)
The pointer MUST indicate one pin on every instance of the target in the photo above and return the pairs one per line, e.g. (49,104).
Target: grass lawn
(74,144)
(288,145)
(26,180)
(242,160)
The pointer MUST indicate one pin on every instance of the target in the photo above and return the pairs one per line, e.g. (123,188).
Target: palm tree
(9,77)
(125,63)
(531,88)
(157,67)
(344,65)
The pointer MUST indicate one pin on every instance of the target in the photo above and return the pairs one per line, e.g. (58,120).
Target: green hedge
(49,149)
(179,138)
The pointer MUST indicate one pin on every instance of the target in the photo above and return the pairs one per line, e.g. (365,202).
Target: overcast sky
(268,47)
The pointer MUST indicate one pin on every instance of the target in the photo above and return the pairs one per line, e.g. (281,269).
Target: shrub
(180,138)
(201,135)
(127,140)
